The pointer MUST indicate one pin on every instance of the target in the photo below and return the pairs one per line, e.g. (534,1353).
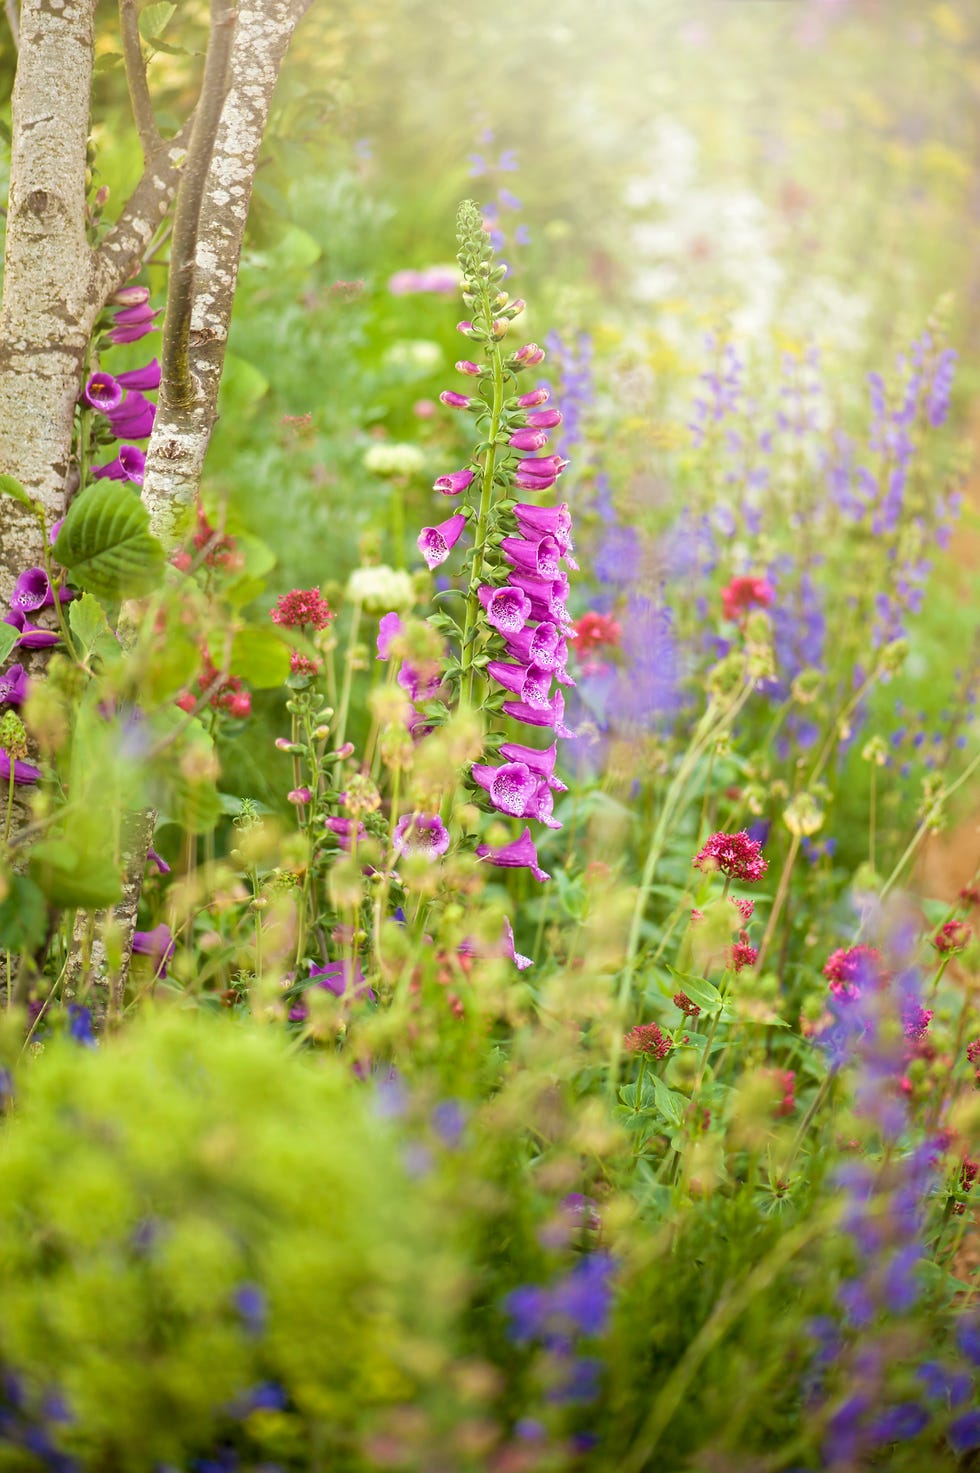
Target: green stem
(479,542)
(355,625)
(777,904)
(935,808)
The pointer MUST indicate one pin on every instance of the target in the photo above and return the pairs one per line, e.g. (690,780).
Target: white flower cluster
(380,589)
(394,460)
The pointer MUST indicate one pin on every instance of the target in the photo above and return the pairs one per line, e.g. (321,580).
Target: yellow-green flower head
(394,460)
(380,589)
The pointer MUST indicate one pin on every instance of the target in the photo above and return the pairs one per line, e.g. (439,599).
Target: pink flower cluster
(735,855)
(302,608)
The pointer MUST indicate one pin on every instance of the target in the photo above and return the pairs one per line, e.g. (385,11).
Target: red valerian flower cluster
(738,596)
(952,937)
(649,1040)
(302,607)
(225,693)
(735,855)
(849,967)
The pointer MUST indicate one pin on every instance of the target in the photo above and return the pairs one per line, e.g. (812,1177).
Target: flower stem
(777,904)
(479,544)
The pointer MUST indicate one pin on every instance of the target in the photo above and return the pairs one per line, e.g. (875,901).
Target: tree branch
(121,252)
(139,91)
(177,325)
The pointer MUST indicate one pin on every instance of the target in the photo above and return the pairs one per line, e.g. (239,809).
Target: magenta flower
(544,419)
(31,638)
(13,686)
(389,628)
(158,944)
(535,397)
(538,557)
(521,854)
(344,829)
(540,761)
(508,609)
(454,400)
(454,483)
(141,378)
(552,714)
(547,597)
(131,334)
(915,1020)
(152,857)
(735,855)
(336,977)
(130,296)
(24,772)
(137,313)
(541,807)
(528,439)
(420,833)
(545,521)
(129,465)
(529,355)
(528,682)
(133,420)
(436,543)
(506,947)
(103,392)
(520,961)
(510,787)
(467,366)
(33,591)
(542,645)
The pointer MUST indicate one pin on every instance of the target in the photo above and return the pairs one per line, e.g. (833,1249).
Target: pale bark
(184,421)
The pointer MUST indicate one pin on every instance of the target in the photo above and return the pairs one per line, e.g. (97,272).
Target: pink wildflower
(735,855)
(302,606)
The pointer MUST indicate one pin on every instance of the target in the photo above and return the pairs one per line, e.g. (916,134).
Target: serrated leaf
(154,19)
(8,638)
(260,657)
(106,544)
(89,625)
(12,487)
(23,916)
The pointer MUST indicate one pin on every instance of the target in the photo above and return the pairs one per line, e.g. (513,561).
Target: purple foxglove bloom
(343,829)
(547,597)
(420,833)
(141,378)
(543,419)
(139,312)
(539,557)
(453,400)
(527,482)
(508,609)
(534,398)
(103,392)
(545,521)
(152,857)
(31,638)
(55,529)
(542,646)
(389,628)
(529,355)
(454,483)
(158,944)
(436,543)
(506,947)
(510,949)
(540,761)
(24,772)
(465,365)
(552,714)
(510,787)
(133,463)
(335,977)
(541,807)
(528,682)
(542,466)
(13,686)
(131,296)
(33,591)
(529,439)
(111,471)
(131,334)
(133,420)
(521,854)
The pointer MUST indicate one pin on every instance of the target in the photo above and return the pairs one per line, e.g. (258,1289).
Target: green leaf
(70,879)
(13,488)
(107,61)
(242,385)
(705,994)
(260,657)
(8,638)
(23,916)
(106,544)
(670,1102)
(89,625)
(155,19)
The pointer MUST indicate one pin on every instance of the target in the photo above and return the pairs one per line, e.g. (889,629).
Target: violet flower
(551,714)
(420,833)
(528,439)
(103,392)
(13,686)
(530,683)
(141,378)
(543,646)
(454,483)
(539,557)
(510,787)
(520,854)
(436,543)
(336,977)
(133,420)
(158,944)
(24,772)
(508,609)
(31,638)
(33,591)
(539,761)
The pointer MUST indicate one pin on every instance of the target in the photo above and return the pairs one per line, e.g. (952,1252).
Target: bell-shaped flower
(544,419)
(538,556)
(342,979)
(510,787)
(141,378)
(542,466)
(389,628)
(545,521)
(133,420)
(436,543)
(130,296)
(521,854)
(420,833)
(539,760)
(520,961)
(505,947)
(454,483)
(542,645)
(547,597)
(528,439)
(133,463)
(528,682)
(551,714)
(158,944)
(139,312)
(541,806)
(344,830)
(103,392)
(33,591)
(129,333)
(534,397)
(31,638)
(508,609)
(111,471)
(13,686)
(24,772)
